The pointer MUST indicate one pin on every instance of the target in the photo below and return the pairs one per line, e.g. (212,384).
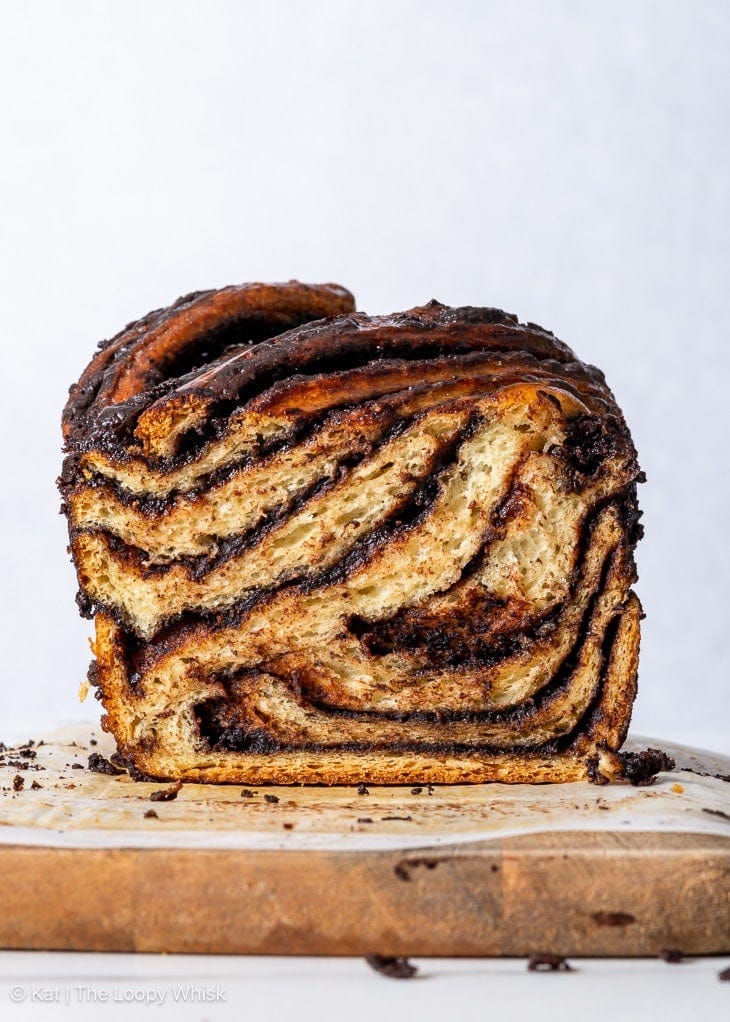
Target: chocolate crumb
(716,812)
(393,968)
(641,768)
(77,766)
(27,753)
(416,791)
(724,976)
(247,793)
(166,794)
(288,826)
(18,783)
(671,955)
(93,741)
(36,786)
(100,765)
(404,818)
(271,798)
(613,918)
(549,963)
(362,790)
(364,819)
(150,814)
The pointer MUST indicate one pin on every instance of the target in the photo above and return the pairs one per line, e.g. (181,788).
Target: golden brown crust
(395,548)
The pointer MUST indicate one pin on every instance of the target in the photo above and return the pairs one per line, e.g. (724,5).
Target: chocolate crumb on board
(36,786)
(549,963)
(18,783)
(271,798)
(724,976)
(671,955)
(101,765)
(416,791)
(716,812)
(613,918)
(362,790)
(93,741)
(364,819)
(641,768)
(77,766)
(288,826)
(393,968)
(166,794)
(247,793)
(150,814)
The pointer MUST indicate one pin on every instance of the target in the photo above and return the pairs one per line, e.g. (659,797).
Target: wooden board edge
(579,896)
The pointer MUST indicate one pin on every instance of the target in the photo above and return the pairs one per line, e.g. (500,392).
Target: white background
(567,161)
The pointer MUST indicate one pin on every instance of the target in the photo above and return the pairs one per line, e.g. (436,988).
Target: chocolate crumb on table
(271,798)
(150,814)
(36,786)
(247,793)
(672,955)
(362,790)
(166,794)
(18,783)
(393,968)
(364,819)
(549,963)
(724,976)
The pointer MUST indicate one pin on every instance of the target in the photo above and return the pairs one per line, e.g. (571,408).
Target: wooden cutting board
(476,870)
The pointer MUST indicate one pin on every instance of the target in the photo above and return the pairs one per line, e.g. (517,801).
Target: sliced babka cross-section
(326,547)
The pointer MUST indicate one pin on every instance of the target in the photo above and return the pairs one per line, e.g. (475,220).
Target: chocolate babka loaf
(321,546)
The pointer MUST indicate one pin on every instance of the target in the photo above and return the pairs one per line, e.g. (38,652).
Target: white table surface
(347,989)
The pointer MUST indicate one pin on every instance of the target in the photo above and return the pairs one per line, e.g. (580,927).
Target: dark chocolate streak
(240,739)
(346,342)
(244,315)
(410,512)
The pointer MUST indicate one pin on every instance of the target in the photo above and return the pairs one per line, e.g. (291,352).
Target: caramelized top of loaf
(172,382)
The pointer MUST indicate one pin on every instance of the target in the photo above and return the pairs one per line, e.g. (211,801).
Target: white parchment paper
(73,807)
